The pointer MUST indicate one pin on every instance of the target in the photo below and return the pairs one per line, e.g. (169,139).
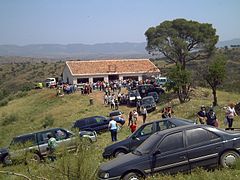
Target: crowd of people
(113,97)
(210,118)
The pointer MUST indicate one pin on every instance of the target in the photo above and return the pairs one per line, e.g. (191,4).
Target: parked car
(155,96)
(161,80)
(146,88)
(133,97)
(176,150)
(36,143)
(51,82)
(149,103)
(95,123)
(116,113)
(141,134)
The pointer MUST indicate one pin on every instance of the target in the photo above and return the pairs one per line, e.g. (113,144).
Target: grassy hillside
(28,113)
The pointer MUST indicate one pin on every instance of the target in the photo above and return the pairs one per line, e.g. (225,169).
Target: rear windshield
(148,100)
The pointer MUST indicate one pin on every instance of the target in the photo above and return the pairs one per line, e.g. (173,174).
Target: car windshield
(148,145)
(147,101)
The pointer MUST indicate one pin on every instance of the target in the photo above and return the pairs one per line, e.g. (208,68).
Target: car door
(92,124)
(101,123)
(141,135)
(65,139)
(171,155)
(43,141)
(203,147)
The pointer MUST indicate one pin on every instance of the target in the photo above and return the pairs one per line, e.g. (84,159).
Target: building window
(98,79)
(82,80)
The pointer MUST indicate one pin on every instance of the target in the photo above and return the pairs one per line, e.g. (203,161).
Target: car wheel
(7,160)
(132,176)
(119,153)
(228,159)
(33,158)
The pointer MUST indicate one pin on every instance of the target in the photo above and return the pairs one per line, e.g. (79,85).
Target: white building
(77,72)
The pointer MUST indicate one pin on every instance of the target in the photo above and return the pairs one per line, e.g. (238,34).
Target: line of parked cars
(36,143)
(170,146)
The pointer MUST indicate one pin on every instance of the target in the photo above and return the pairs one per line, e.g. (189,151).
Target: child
(133,127)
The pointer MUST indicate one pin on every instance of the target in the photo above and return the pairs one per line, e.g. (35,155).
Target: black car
(149,103)
(141,134)
(176,150)
(94,123)
(146,88)
(133,97)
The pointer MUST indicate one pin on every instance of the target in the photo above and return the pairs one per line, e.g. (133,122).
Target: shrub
(10,119)
(48,121)
(21,94)
(3,102)
(27,86)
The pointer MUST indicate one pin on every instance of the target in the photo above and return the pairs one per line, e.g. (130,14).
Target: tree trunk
(214,92)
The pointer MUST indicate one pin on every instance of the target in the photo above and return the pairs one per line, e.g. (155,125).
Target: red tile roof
(123,66)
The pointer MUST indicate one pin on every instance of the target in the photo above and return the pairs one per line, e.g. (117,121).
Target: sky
(24,22)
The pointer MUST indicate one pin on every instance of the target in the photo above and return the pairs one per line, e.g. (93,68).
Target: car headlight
(104,175)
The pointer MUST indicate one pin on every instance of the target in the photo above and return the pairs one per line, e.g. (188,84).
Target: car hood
(4,150)
(118,144)
(122,161)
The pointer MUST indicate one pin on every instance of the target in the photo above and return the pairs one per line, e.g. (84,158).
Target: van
(161,80)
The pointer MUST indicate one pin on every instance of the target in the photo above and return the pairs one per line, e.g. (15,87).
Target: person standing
(165,113)
(133,127)
(130,118)
(138,105)
(202,115)
(230,113)
(211,118)
(52,144)
(135,116)
(113,129)
(144,113)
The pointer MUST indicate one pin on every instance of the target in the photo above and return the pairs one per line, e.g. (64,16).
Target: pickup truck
(51,82)
(36,144)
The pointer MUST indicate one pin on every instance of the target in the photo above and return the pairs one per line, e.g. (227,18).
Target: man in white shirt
(113,129)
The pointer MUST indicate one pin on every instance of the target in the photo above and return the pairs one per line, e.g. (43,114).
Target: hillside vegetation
(30,112)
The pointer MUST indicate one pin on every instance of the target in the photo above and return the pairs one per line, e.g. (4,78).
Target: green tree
(214,73)
(181,41)
(179,77)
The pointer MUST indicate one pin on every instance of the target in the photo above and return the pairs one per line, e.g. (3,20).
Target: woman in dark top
(211,118)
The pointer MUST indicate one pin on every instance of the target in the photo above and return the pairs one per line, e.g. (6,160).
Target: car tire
(34,158)
(132,176)
(119,153)
(228,158)
(7,160)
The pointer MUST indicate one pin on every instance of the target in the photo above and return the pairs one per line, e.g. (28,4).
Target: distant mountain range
(80,51)
(83,51)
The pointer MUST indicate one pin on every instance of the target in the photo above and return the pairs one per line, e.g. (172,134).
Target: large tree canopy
(181,40)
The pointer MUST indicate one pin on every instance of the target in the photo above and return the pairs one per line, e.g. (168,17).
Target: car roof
(89,118)
(171,120)
(148,97)
(32,133)
(181,128)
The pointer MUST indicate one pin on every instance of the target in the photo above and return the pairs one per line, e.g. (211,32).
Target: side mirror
(135,138)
